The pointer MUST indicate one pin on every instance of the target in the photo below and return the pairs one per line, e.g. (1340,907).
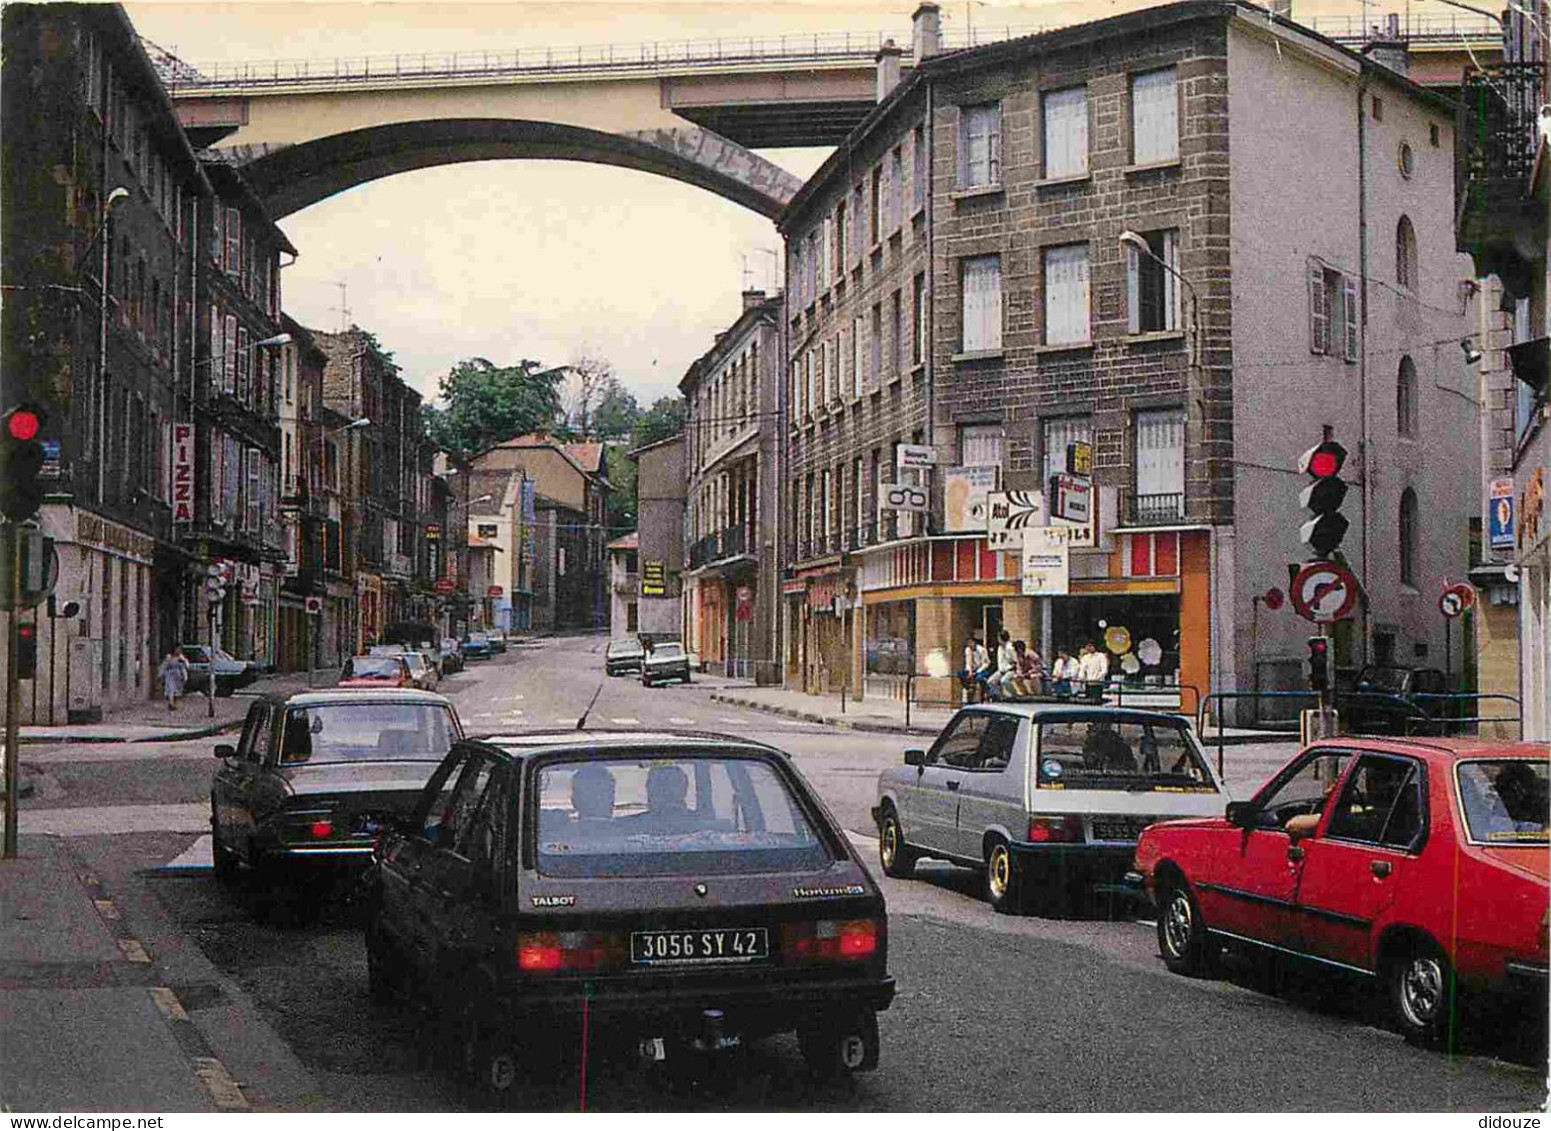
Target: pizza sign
(182,473)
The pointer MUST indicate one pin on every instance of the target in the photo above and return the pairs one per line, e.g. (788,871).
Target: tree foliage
(487,403)
(616,413)
(664,419)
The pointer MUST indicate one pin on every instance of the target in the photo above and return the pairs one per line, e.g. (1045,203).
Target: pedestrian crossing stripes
(626,721)
(681,721)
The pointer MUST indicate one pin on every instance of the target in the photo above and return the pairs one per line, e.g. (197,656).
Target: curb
(837,721)
(168,736)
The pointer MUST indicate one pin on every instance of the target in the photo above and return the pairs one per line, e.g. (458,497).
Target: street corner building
(1181,245)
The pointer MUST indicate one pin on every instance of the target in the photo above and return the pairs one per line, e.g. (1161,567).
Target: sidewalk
(888,715)
(149,720)
(86,1024)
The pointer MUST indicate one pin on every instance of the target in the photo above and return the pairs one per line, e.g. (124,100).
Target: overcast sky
(541,259)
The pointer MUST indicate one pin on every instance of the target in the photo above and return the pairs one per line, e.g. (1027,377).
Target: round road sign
(1449,603)
(1324,592)
(1273,598)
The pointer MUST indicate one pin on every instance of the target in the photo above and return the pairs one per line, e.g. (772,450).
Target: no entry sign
(1324,592)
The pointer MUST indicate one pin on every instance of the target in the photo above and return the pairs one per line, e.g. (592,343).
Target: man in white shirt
(1094,668)
(977,665)
(1006,662)
(1065,672)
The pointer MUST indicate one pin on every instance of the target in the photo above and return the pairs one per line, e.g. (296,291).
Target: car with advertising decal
(1045,800)
(676,894)
(315,777)
(1417,865)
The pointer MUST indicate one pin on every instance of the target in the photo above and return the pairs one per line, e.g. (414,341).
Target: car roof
(350,695)
(617,742)
(1044,712)
(1442,749)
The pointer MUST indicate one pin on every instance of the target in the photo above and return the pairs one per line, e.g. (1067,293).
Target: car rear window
(1505,800)
(668,652)
(671,816)
(1105,752)
(622,648)
(367,732)
(373,666)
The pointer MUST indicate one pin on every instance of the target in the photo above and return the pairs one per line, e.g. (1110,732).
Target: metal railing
(838,47)
(1153,510)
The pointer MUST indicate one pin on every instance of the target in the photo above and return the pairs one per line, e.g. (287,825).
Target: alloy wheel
(1179,923)
(1422,990)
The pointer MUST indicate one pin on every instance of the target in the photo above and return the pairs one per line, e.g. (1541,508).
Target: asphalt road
(994,1013)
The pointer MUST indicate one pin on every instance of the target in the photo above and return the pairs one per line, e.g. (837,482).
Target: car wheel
(1181,930)
(897,857)
(840,1046)
(1003,879)
(1420,983)
(223,859)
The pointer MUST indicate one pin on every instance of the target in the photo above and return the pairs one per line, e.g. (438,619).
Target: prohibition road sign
(1324,592)
(1456,598)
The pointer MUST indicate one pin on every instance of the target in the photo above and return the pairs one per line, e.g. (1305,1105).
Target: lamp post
(113,200)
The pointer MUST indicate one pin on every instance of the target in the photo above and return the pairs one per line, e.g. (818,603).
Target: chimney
(888,68)
(752,298)
(926,31)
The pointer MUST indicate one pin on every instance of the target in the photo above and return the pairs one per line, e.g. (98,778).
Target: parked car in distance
(672,891)
(230,672)
(1044,799)
(1397,701)
(476,646)
(376,671)
(315,777)
(452,655)
(623,655)
(422,673)
(665,661)
(497,640)
(1416,864)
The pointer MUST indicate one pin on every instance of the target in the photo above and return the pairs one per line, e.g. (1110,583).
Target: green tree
(664,419)
(616,413)
(485,403)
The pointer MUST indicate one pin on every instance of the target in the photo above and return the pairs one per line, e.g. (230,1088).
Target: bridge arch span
(289,177)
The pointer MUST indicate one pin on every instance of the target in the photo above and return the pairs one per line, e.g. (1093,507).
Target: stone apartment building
(661,485)
(959,282)
(103,199)
(732,437)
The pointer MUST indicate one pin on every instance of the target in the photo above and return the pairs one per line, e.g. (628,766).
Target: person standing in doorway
(174,675)
(1094,667)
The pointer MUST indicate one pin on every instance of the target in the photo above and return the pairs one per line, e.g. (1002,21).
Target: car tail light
(321,829)
(825,939)
(1058,828)
(569,950)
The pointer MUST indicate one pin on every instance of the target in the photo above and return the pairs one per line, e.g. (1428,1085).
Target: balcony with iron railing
(725,545)
(1153,509)
(1496,140)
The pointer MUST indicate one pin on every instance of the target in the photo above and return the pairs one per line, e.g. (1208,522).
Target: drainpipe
(1362,349)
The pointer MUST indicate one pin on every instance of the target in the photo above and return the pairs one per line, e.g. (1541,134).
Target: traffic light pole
(210,656)
(13,548)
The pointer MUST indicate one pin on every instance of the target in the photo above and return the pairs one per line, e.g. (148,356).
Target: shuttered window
(918,168)
(896,188)
(1160,453)
(1154,117)
(1349,315)
(858,367)
(1319,310)
(1066,294)
(980,145)
(1056,434)
(980,445)
(1066,132)
(981,283)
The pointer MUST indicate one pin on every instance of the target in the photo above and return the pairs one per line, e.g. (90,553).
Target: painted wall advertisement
(964,498)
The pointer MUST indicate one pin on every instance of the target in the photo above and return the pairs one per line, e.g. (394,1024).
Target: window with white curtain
(1055,434)
(918,333)
(1065,114)
(1152,284)
(858,340)
(1160,465)
(981,284)
(1155,116)
(1066,294)
(980,445)
(980,145)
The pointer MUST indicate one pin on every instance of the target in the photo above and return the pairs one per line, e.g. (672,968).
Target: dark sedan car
(314,777)
(623,656)
(676,893)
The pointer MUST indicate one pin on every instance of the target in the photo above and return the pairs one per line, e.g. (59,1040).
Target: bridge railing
(650,58)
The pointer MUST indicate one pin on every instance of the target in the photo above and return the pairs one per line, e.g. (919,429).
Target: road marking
(732,722)
(513,714)
(133,951)
(681,721)
(167,1001)
(570,722)
(219,1083)
(792,723)
(198,857)
(626,721)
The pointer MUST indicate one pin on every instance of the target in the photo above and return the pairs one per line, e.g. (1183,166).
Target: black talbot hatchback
(656,892)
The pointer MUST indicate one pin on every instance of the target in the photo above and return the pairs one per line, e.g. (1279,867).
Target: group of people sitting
(1019,671)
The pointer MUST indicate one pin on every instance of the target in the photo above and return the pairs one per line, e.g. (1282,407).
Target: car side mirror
(1244,814)
(1301,826)
(915,757)
(225,750)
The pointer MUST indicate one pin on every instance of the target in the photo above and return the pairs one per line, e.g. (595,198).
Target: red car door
(1252,881)
(1358,858)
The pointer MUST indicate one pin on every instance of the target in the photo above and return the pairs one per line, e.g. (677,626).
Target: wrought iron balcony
(1154,510)
(1495,141)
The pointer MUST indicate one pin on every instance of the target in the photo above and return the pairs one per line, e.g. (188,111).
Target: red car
(1416,863)
(376,671)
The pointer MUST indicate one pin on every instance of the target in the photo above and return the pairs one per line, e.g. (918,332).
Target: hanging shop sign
(908,456)
(905,497)
(1079,458)
(1500,515)
(1009,514)
(966,493)
(1071,497)
(433,532)
(182,473)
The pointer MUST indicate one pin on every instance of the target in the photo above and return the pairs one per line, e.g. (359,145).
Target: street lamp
(1138,245)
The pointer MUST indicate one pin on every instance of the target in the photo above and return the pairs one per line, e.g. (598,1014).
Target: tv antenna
(342,308)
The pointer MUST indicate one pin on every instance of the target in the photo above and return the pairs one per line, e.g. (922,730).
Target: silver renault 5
(1046,800)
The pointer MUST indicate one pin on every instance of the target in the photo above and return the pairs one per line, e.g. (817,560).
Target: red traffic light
(1323,463)
(22,424)
(1318,646)
(25,631)
(1323,460)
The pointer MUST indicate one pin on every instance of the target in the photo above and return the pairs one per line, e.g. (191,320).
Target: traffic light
(1323,498)
(21,463)
(1319,663)
(26,651)
(215,584)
